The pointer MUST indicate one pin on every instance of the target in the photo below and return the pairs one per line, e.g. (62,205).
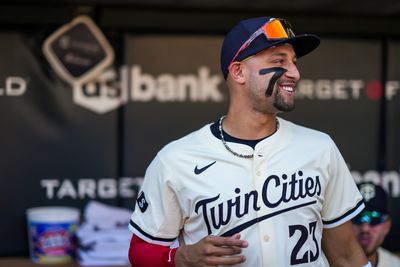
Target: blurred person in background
(373,224)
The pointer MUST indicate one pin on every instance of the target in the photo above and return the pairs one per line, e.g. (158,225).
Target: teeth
(288,89)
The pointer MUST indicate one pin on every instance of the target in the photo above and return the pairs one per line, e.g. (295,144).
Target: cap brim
(303,44)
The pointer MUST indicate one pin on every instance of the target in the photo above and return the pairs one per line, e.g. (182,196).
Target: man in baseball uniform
(373,224)
(250,189)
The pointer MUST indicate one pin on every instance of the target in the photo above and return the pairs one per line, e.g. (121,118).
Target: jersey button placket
(257,163)
(265,226)
(258,182)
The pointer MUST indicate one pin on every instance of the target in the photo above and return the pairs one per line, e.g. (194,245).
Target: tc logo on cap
(368,192)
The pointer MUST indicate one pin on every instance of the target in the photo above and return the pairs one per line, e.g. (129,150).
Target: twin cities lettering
(289,189)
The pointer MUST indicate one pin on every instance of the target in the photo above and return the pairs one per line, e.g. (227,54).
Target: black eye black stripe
(278,73)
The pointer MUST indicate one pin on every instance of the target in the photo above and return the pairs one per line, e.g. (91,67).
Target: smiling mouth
(289,89)
(287,85)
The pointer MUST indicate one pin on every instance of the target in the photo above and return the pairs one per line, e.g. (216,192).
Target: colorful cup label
(52,242)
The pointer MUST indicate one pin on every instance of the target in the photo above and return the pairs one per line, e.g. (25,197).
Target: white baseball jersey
(280,200)
(387,259)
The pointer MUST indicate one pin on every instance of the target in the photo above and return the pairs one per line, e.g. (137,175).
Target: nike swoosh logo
(198,171)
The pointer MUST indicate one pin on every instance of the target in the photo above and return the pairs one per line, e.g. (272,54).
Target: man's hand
(211,251)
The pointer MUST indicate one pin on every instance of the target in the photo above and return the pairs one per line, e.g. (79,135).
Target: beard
(265,102)
(280,104)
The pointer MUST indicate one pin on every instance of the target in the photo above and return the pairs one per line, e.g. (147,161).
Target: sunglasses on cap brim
(274,29)
(371,217)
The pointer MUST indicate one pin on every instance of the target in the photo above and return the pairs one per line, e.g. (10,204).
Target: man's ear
(236,71)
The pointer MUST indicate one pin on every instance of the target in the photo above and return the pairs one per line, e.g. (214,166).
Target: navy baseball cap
(239,34)
(375,197)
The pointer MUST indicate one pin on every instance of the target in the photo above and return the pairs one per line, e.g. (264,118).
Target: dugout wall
(65,145)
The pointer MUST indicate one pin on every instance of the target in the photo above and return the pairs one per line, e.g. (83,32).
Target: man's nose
(293,72)
(365,226)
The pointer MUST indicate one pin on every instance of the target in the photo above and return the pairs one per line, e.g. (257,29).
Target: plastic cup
(52,234)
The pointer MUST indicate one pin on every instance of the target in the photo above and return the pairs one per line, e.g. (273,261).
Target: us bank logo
(109,90)
(81,55)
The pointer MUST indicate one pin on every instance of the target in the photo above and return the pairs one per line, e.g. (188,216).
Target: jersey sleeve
(157,217)
(342,200)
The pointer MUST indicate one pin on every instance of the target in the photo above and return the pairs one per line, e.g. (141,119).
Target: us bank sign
(108,91)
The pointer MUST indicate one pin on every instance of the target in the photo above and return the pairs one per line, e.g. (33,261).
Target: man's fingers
(226,241)
(236,236)
(224,251)
(226,261)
